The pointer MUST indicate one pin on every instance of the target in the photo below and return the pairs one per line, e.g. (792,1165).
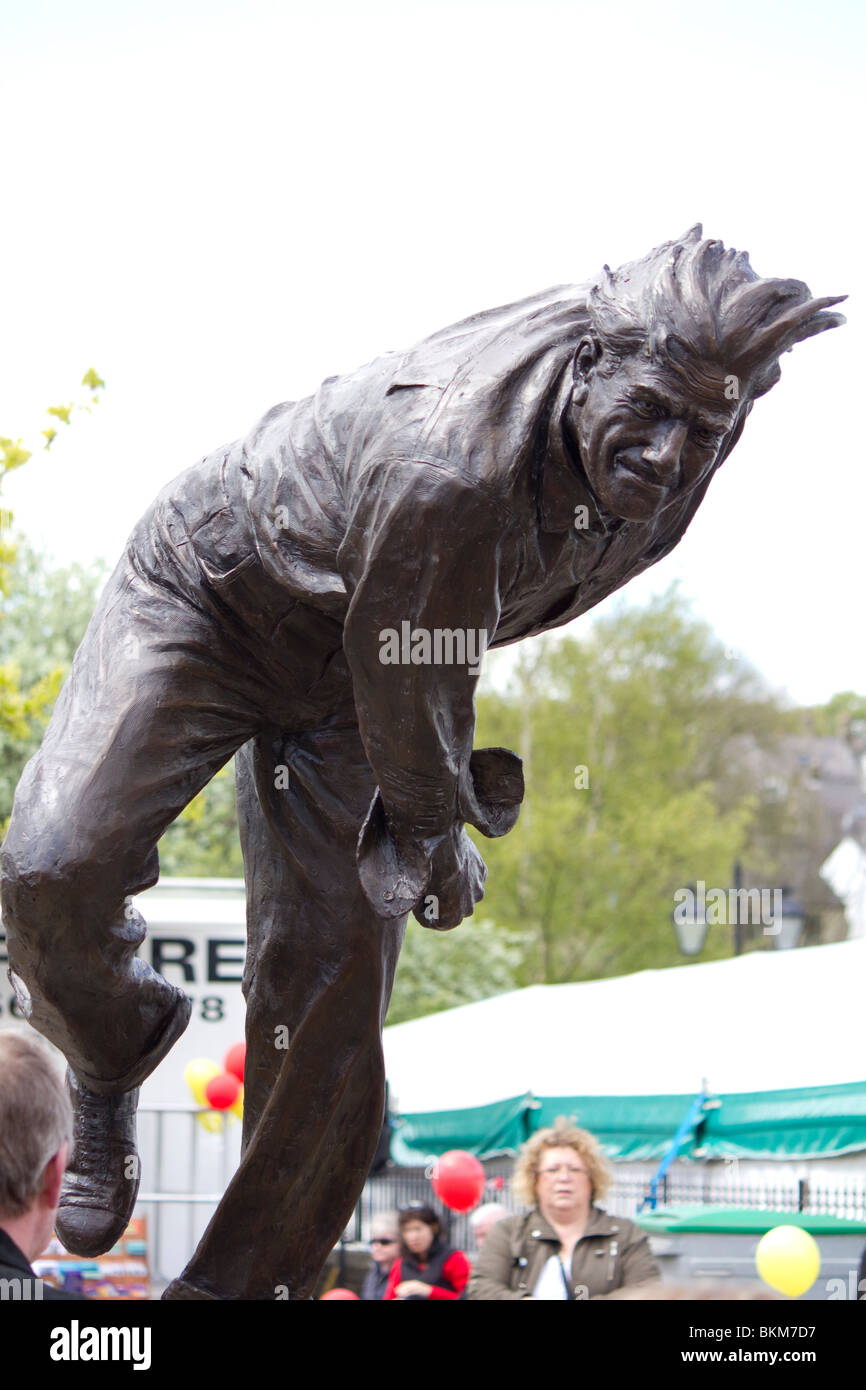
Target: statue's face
(647,437)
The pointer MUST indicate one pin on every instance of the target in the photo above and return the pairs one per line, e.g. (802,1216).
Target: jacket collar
(598,1223)
(10,1255)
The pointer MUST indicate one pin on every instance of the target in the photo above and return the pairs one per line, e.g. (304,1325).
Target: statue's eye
(650,410)
(708,439)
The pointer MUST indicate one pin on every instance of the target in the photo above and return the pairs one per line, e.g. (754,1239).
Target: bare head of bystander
(35,1134)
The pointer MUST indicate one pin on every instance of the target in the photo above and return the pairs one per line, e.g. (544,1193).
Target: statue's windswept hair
(693,301)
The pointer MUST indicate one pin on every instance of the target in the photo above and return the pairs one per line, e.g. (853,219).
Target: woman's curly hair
(562,1135)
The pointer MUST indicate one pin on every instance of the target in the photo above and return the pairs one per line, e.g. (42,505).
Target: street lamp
(788,928)
(690,923)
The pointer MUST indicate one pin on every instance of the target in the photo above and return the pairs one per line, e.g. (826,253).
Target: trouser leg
(320,967)
(151,710)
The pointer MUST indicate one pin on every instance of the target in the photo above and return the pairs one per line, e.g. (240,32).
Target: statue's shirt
(440,489)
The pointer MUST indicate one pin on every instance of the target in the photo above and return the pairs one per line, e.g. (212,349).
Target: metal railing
(185,1171)
(844,1198)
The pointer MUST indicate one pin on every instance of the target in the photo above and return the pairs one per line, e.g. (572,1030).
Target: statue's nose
(666,449)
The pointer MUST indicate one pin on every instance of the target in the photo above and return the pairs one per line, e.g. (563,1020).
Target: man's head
(35,1133)
(483,1219)
(680,345)
(385,1238)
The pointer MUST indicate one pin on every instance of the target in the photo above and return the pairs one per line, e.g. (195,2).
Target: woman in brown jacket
(565,1248)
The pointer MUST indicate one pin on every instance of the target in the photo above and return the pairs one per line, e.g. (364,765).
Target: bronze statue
(315,598)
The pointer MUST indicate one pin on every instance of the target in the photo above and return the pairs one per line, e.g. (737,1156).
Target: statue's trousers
(180,669)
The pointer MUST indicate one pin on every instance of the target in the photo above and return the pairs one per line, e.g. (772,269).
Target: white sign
(196,938)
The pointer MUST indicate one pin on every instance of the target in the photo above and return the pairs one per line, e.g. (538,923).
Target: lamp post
(738,926)
(690,920)
(690,924)
(788,929)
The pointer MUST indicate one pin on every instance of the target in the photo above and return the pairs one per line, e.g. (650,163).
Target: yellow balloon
(238,1107)
(211,1120)
(788,1259)
(197,1074)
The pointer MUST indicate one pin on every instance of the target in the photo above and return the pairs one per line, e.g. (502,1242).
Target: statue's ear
(586,359)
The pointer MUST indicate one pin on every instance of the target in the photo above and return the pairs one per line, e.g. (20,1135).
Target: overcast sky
(219,204)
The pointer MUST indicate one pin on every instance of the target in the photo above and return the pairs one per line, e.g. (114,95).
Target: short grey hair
(494,1209)
(35,1118)
(386,1220)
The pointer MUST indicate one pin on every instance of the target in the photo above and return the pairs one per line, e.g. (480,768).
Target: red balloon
(339,1296)
(235,1060)
(458,1180)
(222,1091)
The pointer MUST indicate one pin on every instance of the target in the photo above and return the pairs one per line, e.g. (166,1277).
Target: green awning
(486,1131)
(803,1123)
(744,1221)
(631,1128)
(808,1122)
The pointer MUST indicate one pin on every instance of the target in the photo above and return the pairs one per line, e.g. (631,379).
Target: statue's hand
(457,874)
(440,878)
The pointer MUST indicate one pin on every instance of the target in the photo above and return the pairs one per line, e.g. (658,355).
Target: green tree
(45,612)
(440,970)
(203,842)
(624,735)
(26,699)
(14,454)
(843,716)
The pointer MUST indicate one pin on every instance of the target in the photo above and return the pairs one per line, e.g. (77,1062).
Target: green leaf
(12,454)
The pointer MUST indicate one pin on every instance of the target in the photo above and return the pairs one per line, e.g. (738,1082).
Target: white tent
(765,1021)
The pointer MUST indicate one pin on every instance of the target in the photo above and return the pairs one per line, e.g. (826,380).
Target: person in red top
(427,1266)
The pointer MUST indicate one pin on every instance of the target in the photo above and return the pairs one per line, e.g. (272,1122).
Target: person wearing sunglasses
(565,1248)
(384,1248)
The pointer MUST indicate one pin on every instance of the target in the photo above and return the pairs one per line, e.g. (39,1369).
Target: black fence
(714,1186)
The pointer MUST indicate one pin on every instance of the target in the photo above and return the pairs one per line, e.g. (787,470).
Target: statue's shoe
(101,1181)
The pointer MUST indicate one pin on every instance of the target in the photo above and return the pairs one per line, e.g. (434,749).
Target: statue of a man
(315,598)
